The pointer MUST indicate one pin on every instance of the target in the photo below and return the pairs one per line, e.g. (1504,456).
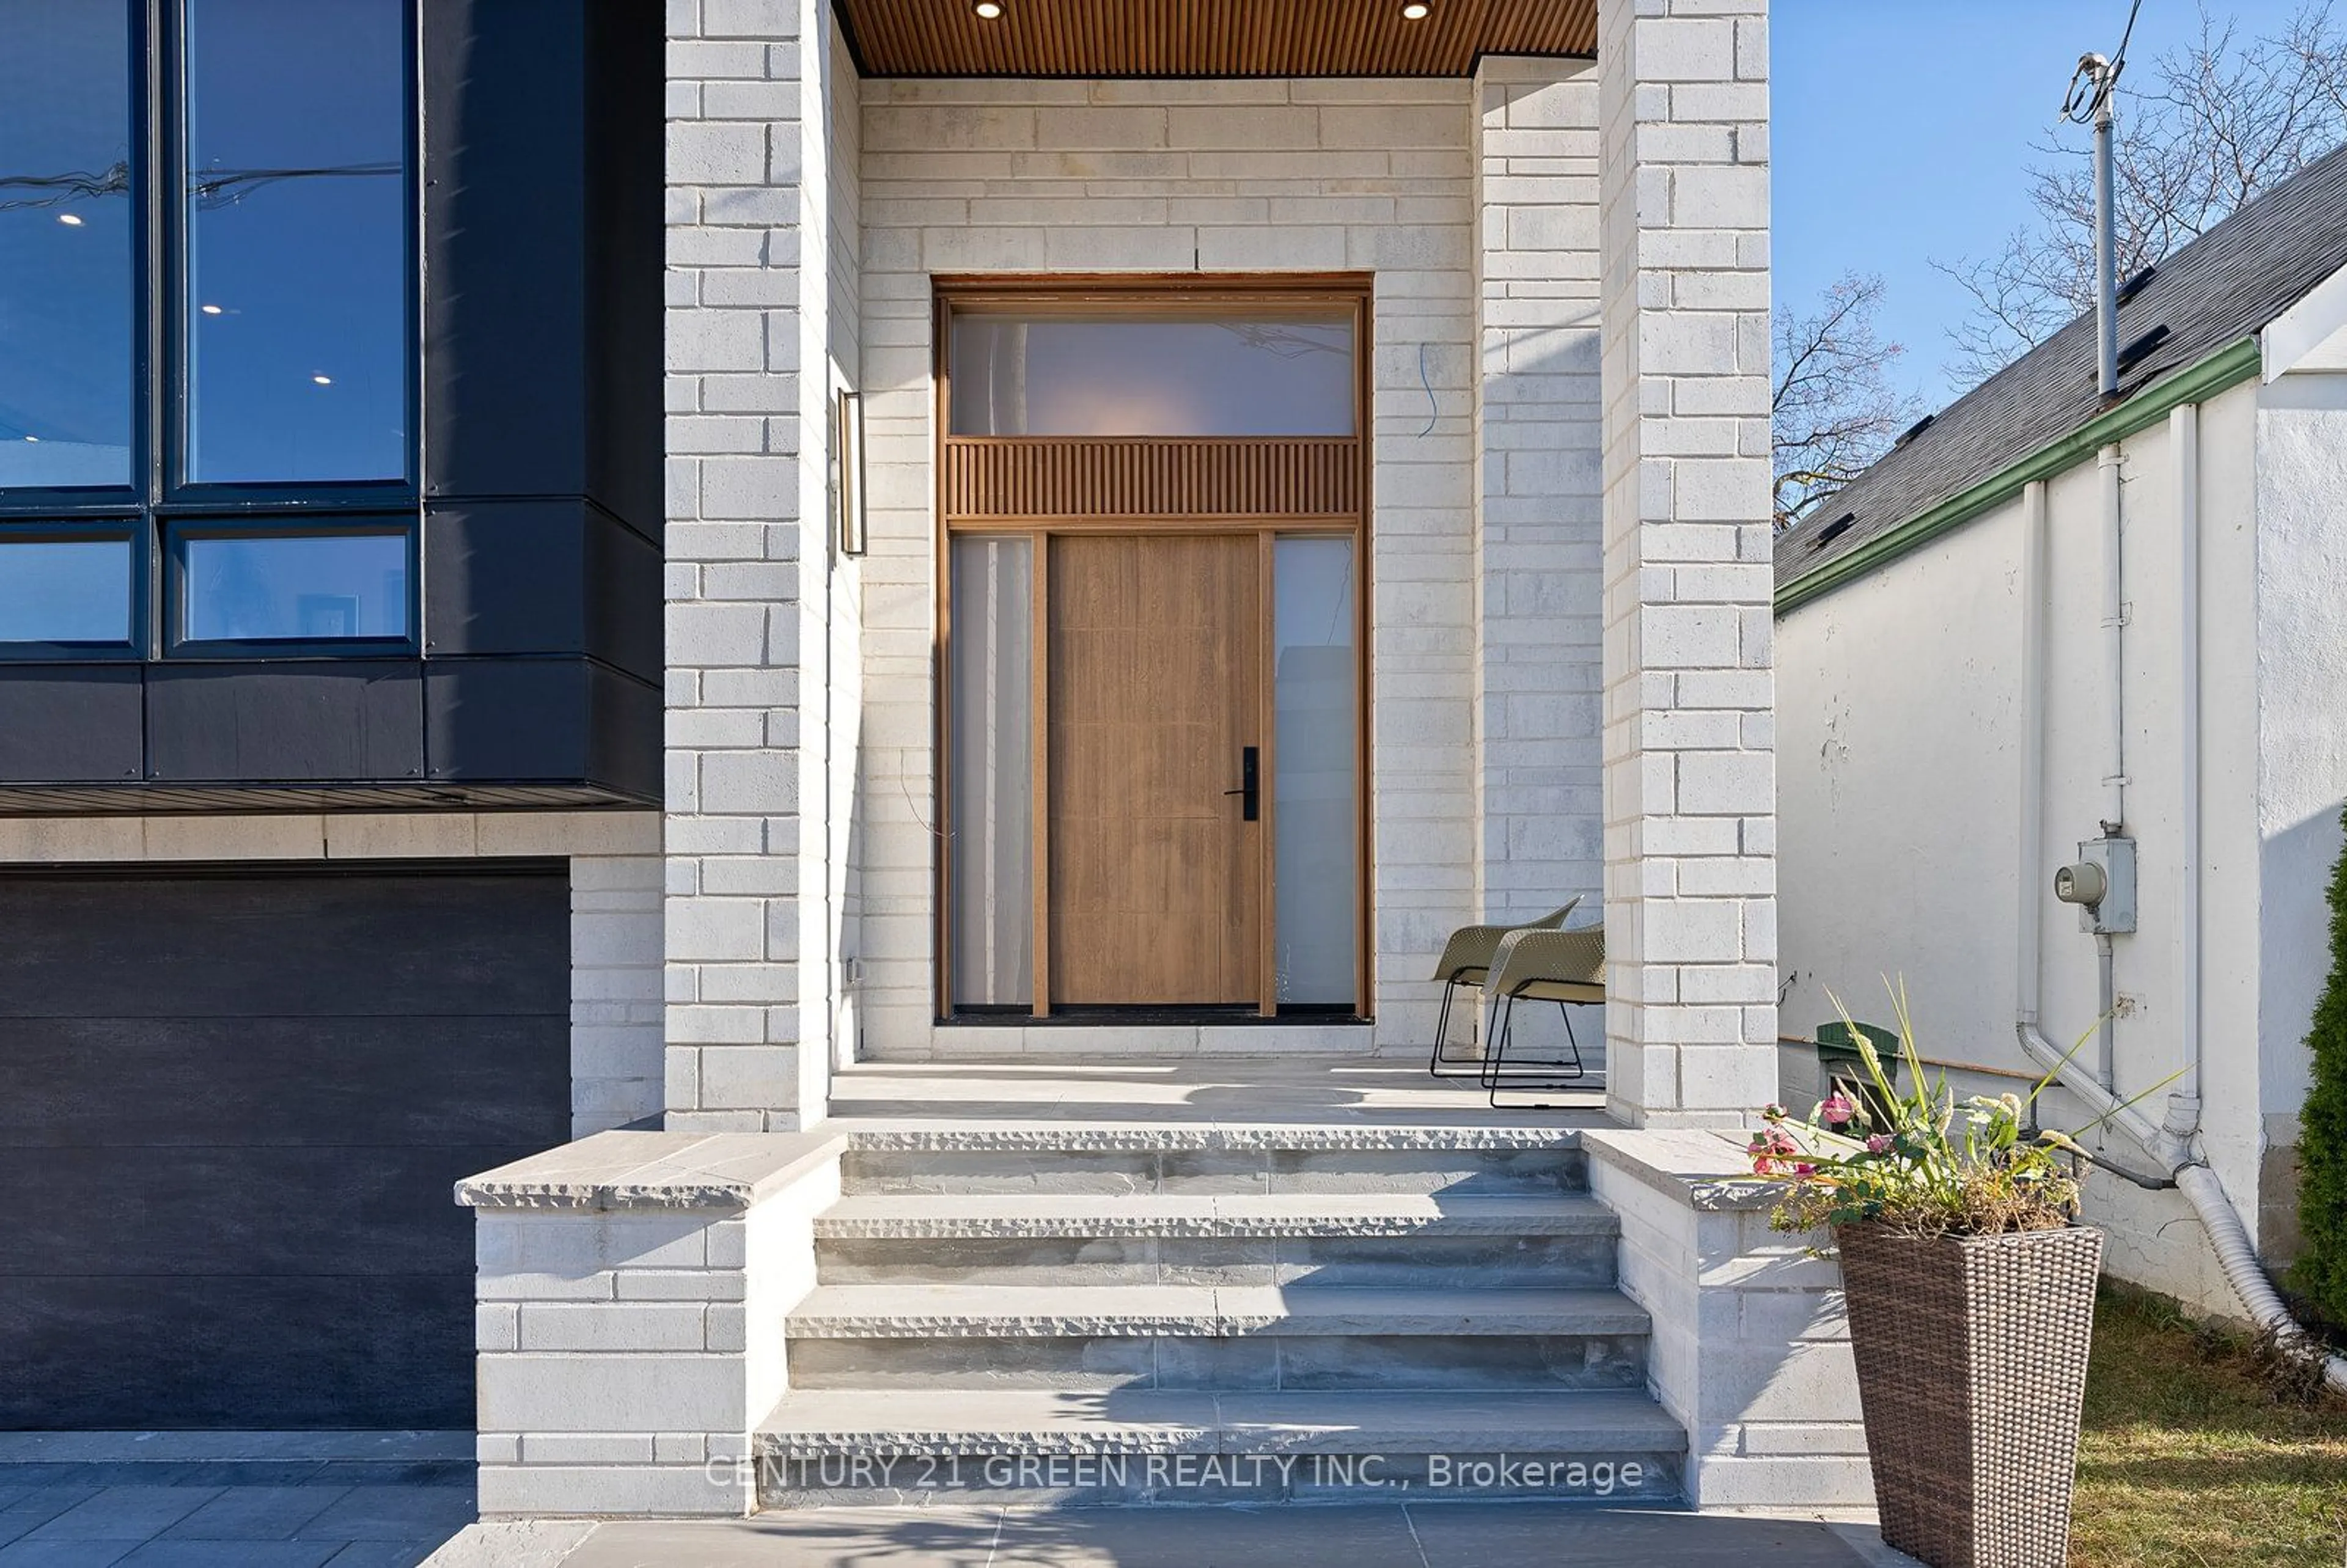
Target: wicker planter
(1971,1363)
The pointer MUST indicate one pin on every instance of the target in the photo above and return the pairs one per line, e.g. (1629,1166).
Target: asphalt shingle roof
(2227,284)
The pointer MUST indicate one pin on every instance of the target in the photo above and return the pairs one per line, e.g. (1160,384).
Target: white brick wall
(1540,546)
(615,930)
(616,1040)
(1751,1346)
(1690,802)
(625,1353)
(750,904)
(993,175)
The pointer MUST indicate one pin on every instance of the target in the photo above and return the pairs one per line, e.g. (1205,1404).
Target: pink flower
(1837,1109)
(1878,1144)
(1805,1169)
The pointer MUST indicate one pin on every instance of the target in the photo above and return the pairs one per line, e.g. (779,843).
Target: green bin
(1839,1065)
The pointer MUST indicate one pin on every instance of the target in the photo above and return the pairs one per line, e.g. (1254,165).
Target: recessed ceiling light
(323,380)
(988,9)
(1414,10)
(211,310)
(70,220)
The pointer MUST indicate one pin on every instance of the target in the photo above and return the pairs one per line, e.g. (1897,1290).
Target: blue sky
(1903,133)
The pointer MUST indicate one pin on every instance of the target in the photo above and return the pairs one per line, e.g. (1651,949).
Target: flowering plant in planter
(1971,1297)
(1920,1163)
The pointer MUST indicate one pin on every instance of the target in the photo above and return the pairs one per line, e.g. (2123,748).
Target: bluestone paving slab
(161,1554)
(255,1513)
(391,1513)
(38,1506)
(388,1554)
(1358,1535)
(132,1512)
(63,1554)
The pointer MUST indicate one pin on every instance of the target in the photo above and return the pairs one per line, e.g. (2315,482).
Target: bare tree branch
(1833,409)
(2201,129)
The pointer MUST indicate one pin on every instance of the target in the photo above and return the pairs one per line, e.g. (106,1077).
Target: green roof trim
(2228,366)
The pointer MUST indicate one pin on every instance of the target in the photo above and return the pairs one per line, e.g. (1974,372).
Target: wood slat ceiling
(1207,37)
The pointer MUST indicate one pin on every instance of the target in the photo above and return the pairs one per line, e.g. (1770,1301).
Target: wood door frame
(1112,294)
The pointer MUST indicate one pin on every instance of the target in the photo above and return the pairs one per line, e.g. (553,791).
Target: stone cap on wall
(623,1170)
(1703,1167)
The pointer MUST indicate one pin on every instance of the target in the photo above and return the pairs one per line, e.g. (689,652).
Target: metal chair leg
(1532,1079)
(1438,1065)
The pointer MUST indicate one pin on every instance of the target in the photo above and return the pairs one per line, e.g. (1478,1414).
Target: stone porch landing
(1351,1093)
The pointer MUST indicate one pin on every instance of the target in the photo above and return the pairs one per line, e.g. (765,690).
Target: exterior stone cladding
(1484,625)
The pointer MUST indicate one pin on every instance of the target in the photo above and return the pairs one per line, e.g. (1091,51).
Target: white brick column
(1538,542)
(1689,780)
(740,534)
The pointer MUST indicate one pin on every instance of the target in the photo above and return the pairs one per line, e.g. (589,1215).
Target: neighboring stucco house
(540,596)
(2041,621)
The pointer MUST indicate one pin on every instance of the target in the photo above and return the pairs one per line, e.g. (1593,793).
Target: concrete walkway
(231,1500)
(1377,1536)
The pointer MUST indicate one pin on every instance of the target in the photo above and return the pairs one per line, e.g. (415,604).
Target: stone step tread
(1474,1130)
(1039,1420)
(937,1216)
(1007,1311)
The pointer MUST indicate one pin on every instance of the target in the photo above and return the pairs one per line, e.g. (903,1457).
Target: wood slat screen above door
(993,477)
(1207,37)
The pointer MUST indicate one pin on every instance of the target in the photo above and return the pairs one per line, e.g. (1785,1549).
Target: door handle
(1250,790)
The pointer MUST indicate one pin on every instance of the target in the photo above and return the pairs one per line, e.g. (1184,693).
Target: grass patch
(2194,1456)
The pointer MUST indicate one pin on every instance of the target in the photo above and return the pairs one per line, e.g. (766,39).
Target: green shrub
(2322,1270)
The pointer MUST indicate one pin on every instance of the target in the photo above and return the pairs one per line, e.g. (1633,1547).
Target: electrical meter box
(2101,883)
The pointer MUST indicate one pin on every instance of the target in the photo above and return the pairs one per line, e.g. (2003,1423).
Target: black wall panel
(278,723)
(72,723)
(489,720)
(541,577)
(543,145)
(231,1110)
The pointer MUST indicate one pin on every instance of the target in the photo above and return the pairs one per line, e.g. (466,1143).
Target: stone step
(1318,1240)
(1020,1446)
(1219,1337)
(1215,1159)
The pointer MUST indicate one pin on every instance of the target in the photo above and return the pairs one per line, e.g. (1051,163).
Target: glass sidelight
(1316,706)
(991,860)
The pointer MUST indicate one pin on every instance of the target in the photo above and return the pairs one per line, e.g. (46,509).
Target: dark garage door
(232,1108)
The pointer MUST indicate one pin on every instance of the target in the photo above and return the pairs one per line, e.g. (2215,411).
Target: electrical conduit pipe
(2170,1143)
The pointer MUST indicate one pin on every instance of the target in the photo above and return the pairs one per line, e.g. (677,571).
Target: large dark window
(69,234)
(208,325)
(295,310)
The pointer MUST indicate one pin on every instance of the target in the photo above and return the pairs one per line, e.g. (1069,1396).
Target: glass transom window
(1289,374)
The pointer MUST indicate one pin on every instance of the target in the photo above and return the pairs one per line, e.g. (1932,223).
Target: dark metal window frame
(118,530)
(179,531)
(160,501)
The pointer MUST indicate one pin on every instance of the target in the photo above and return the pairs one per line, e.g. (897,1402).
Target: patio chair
(1567,967)
(1467,961)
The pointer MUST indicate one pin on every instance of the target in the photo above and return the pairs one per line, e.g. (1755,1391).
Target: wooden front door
(1156,862)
